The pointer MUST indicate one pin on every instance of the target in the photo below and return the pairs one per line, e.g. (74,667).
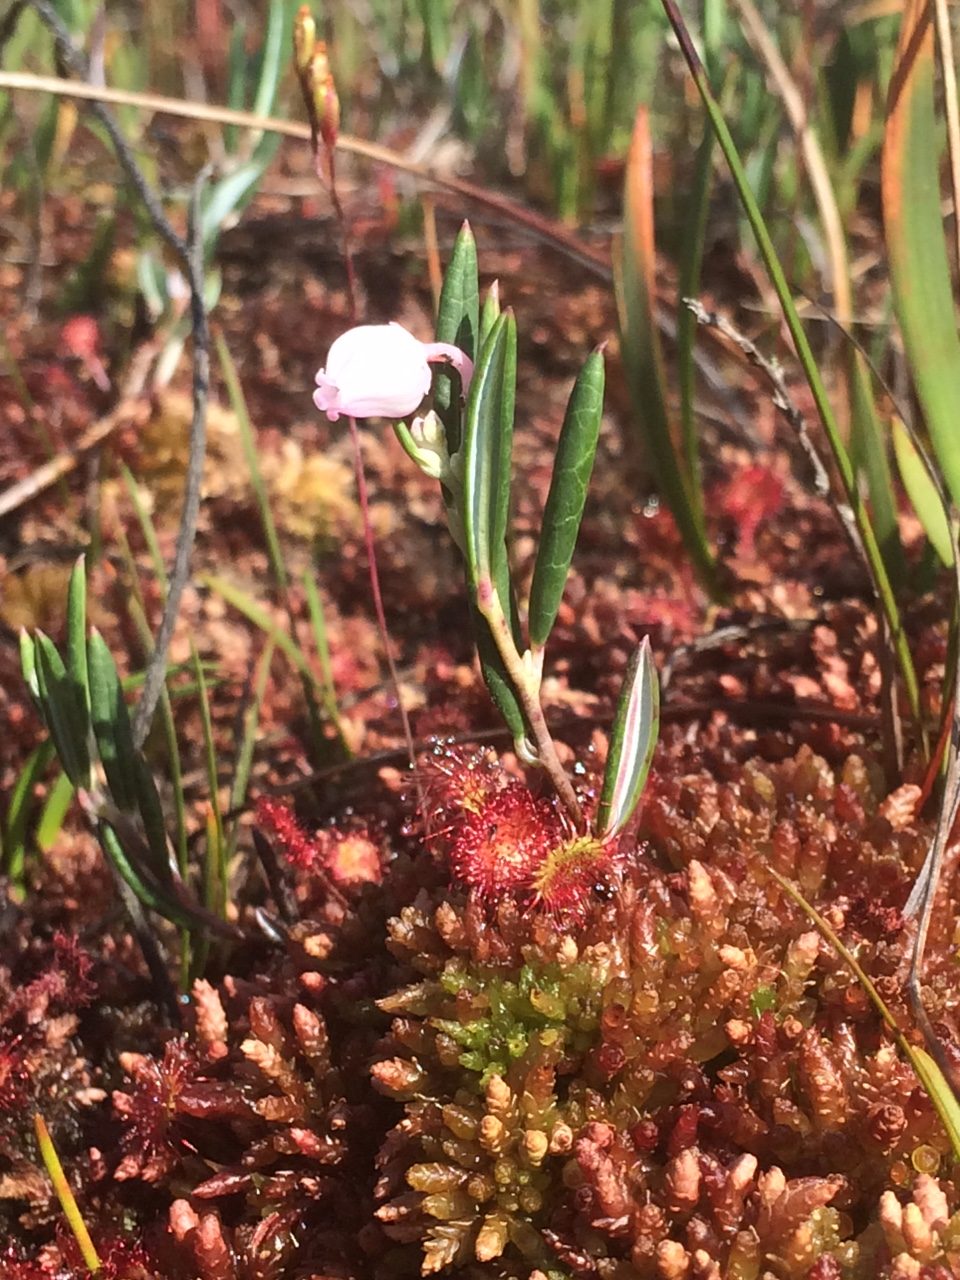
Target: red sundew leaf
(497,849)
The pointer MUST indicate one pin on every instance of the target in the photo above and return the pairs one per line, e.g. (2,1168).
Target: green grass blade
(941,1096)
(691,261)
(154,822)
(186,915)
(65,713)
(633,739)
(274,57)
(563,512)
(254,612)
(916,245)
(807,360)
(53,812)
(148,530)
(319,624)
(922,492)
(238,404)
(64,1193)
(251,723)
(19,810)
(872,449)
(642,357)
(215,862)
(28,665)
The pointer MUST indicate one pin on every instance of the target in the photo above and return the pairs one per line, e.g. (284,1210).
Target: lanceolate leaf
(458,321)
(28,665)
(154,824)
(913,225)
(488,437)
(632,742)
(77,630)
(572,467)
(111,724)
(63,710)
(922,493)
(489,313)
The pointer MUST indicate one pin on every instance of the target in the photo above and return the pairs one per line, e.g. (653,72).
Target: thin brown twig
(375,589)
(544,229)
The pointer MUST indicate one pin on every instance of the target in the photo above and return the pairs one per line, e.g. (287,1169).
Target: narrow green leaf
(77,630)
(490,313)
(28,665)
(184,913)
(248,440)
(319,624)
(633,739)
(19,810)
(563,512)
(244,761)
(64,1193)
(254,611)
(111,724)
(938,1090)
(154,822)
(870,445)
(488,436)
(214,866)
(642,356)
(914,231)
(147,528)
(273,60)
(458,320)
(54,811)
(922,492)
(66,717)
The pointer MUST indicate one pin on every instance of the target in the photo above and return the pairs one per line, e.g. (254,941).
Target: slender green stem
(488,603)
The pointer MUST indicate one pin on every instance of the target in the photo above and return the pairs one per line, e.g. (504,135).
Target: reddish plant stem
(377,596)
(352,293)
(362,487)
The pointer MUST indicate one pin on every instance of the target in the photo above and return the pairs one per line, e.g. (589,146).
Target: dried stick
(190,254)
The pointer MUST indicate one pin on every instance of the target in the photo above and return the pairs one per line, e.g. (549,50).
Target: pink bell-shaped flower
(381,371)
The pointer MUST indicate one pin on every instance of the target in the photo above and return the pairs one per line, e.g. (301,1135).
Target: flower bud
(324,103)
(381,371)
(304,39)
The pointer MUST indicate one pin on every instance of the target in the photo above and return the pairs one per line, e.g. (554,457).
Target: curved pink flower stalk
(382,371)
